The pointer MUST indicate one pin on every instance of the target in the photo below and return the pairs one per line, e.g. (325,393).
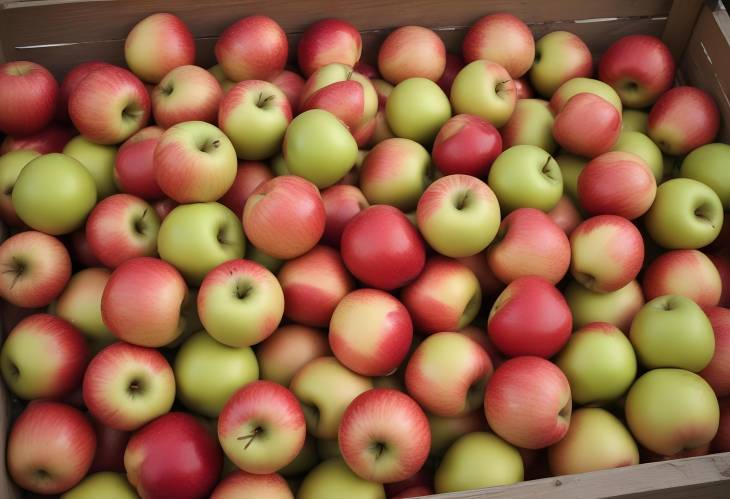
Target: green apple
(98,159)
(583,85)
(319,147)
(486,89)
(633,120)
(526,177)
(673,331)
(207,373)
(332,479)
(446,431)
(531,123)
(570,168)
(686,214)
(615,307)
(559,56)
(11,164)
(80,304)
(104,484)
(710,164)
(478,460)
(307,459)
(54,193)
(640,144)
(672,410)
(599,363)
(278,165)
(416,110)
(197,237)
(272,264)
(596,440)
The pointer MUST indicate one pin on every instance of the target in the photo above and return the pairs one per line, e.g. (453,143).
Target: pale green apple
(319,147)
(633,120)
(615,307)
(11,164)
(486,89)
(305,460)
(559,55)
(672,410)
(80,304)
(645,148)
(197,237)
(446,431)
(584,85)
(526,177)
(105,484)
(478,460)
(54,193)
(98,159)
(710,164)
(332,479)
(686,214)
(570,168)
(596,440)
(207,373)
(673,331)
(278,165)
(416,110)
(272,264)
(599,363)
(531,123)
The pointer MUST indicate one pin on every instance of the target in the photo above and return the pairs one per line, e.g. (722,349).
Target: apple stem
(263,100)
(251,436)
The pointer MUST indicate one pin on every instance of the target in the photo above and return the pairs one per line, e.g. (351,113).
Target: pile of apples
(358,282)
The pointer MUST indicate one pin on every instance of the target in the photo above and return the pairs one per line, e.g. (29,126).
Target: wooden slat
(679,26)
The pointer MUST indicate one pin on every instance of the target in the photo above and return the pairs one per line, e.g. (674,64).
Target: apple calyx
(251,436)
(378,448)
(136,387)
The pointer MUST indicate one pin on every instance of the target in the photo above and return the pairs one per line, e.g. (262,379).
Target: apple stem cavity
(211,146)
(701,214)
(462,198)
(243,290)
(263,100)
(17,267)
(251,436)
(139,224)
(501,86)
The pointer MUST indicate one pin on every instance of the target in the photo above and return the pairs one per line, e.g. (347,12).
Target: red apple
(587,125)
(287,350)
(253,48)
(53,138)
(466,144)
(721,442)
(134,170)
(110,448)
(411,52)
(523,90)
(30,97)
(501,38)
(69,83)
(491,286)
(240,484)
(341,204)
(163,207)
(687,273)
(454,63)
(187,93)
(249,176)
(722,264)
(292,85)
(328,41)
(717,372)
(566,215)
(366,69)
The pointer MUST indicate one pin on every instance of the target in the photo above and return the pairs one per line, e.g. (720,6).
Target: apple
(722,264)
(607,253)
(579,85)
(313,285)
(587,125)
(616,307)
(570,168)
(596,440)
(11,164)
(187,93)
(531,123)
(527,402)
(240,303)
(80,250)
(530,317)
(721,442)
(453,65)
(36,268)
(446,431)
(559,56)
(683,119)
(485,89)
(292,85)
(466,144)
(80,304)
(50,448)
(599,362)
(671,410)
(417,109)
(164,206)
(63,351)
(328,41)
(382,129)
(641,145)
(501,38)
(686,214)
(333,479)
(341,204)
(384,436)
(633,120)
(639,67)
(157,45)
(382,249)
(252,48)
(134,165)
(254,114)
(53,138)
(566,215)
(103,484)
(242,484)
(35,97)
(370,332)
(41,204)
(176,456)
(715,373)
(194,162)
(110,447)
(284,217)
(707,164)
(687,273)
(411,52)
(69,83)
(109,105)
(477,460)
(366,69)
(98,160)
(287,350)
(249,175)
(529,243)
(526,176)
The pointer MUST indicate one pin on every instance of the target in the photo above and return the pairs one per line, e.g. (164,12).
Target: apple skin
(174,456)
(722,264)
(242,484)
(721,442)
(468,145)
(458,215)
(587,125)
(35,97)
(446,431)
(616,307)
(187,93)
(249,175)
(686,214)
(707,164)
(559,56)
(110,446)
(485,89)
(683,119)
(617,183)
(501,38)
(687,273)
(639,67)
(417,108)
(575,86)
(157,45)
(454,63)
(384,436)
(313,285)
(447,373)
(53,138)
(37,268)
(97,159)
(445,297)
(607,253)
(633,120)
(328,41)
(287,350)
(671,410)
(69,83)
(141,302)
(11,164)
(599,362)
(342,203)
(333,479)
(716,372)
(292,85)
(80,304)
(382,249)
(252,48)
(50,447)
(103,484)
(109,105)
(570,168)
(529,243)
(262,427)
(370,332)
(530,317)
(566,215)
(134,171)
(240,303)
(58,343)
(527,402)
(411,52)
(531,123)
(640,144)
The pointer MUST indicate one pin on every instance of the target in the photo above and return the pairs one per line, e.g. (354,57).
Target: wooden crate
(61,33)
